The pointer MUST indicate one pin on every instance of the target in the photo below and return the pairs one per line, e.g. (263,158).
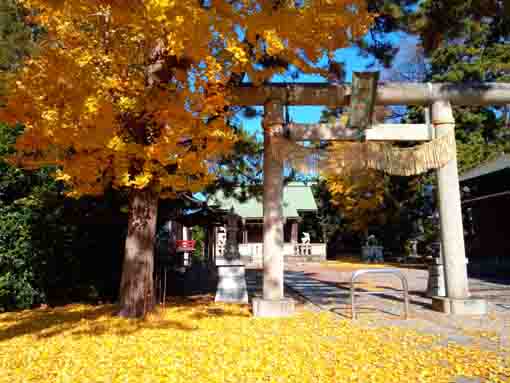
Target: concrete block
(231,272)
(229,262)
(231,285)
(468,306)
(273,308)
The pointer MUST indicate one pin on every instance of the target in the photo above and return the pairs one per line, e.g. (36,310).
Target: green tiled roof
(497,164)
(297,197)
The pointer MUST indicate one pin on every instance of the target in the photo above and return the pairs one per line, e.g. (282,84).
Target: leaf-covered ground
(354,263)
(199,341)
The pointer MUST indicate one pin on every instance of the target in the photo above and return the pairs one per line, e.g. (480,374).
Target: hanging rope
(346,157)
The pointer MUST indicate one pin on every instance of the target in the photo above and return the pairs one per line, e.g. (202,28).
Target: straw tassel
(355,156)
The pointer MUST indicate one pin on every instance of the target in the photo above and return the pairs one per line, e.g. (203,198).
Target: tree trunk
(137,287)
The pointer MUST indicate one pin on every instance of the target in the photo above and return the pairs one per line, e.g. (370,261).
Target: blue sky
(352,60)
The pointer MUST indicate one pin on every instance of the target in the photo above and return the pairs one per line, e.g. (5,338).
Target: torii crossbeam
(439,98)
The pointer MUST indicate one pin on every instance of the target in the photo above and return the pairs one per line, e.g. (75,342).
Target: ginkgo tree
(135,95)
(359,196)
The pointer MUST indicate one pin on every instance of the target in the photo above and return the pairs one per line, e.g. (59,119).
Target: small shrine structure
(298,202)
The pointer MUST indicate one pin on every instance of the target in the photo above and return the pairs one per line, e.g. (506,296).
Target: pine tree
(16,38)
(467,41)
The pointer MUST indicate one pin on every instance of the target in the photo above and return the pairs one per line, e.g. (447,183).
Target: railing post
(396,272)
(353,292)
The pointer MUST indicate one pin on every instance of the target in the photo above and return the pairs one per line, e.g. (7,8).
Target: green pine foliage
(467,41)
(16,38)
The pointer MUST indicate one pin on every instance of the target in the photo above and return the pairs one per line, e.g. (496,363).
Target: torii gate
(439,98)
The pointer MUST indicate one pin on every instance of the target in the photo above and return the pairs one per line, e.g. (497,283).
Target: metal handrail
(395,272)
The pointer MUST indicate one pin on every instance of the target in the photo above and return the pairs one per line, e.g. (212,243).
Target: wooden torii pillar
(437,96)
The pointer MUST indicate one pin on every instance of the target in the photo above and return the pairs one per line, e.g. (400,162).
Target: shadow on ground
(179,314)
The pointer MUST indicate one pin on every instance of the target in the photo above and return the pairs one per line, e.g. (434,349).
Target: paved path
(336,299)
(254,286)
(316,287)
(329,290)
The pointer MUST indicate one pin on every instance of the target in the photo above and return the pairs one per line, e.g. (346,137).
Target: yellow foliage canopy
(135,93)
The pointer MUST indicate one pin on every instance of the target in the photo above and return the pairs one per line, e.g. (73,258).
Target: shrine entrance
(440,155)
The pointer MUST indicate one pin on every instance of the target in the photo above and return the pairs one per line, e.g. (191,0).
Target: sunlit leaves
(135,94)
(358,196)
(205,342)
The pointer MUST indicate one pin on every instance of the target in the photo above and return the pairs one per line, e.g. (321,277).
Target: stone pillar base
(468,306)
(265,308)
(231,282)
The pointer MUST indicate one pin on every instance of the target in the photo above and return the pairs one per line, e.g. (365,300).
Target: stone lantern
(231,252)
(231,271)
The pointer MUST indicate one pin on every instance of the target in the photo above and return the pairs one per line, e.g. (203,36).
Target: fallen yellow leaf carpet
(199,341)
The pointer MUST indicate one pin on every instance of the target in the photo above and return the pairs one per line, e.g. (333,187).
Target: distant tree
(16,38)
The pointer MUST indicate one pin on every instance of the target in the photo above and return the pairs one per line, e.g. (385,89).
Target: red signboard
(185,246)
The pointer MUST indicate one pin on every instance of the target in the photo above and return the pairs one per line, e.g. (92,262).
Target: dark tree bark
(137,287)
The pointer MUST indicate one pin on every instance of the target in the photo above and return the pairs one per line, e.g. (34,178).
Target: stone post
(273,303)
(436,284)
(294,232)
(186,254)
(452,232)
(231,246)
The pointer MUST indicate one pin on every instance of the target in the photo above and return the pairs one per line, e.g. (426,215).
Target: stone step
(258,261)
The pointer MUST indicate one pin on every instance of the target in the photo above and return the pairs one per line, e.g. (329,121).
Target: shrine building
(298,202)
